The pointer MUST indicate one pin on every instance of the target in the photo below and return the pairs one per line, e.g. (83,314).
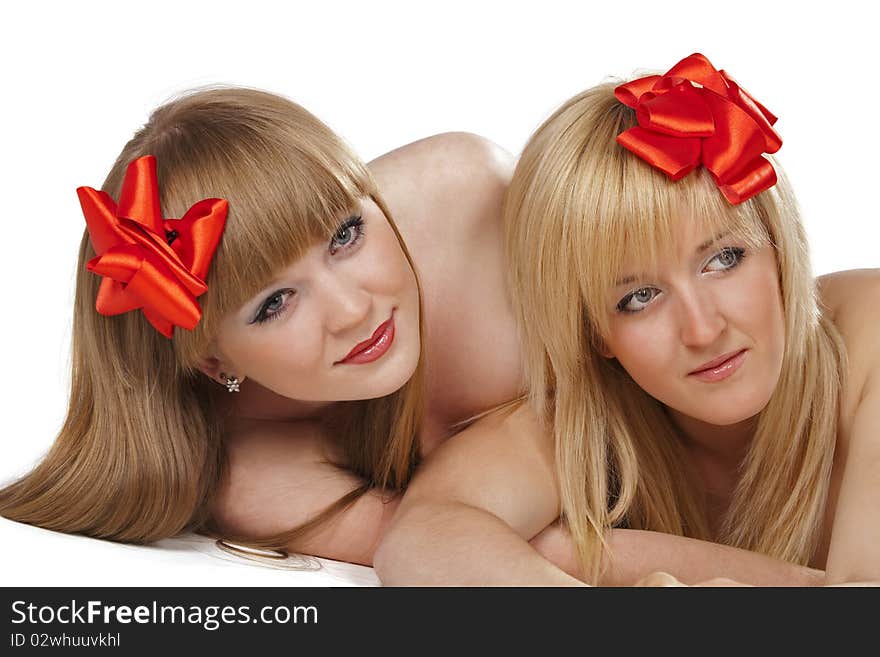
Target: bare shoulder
(512,425)
(504,445)
(445,194)
(842,292)
(852,301)
(456,173)
(502,463)
(449,156)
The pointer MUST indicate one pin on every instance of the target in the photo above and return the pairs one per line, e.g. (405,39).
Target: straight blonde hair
(578,204)
(140,454)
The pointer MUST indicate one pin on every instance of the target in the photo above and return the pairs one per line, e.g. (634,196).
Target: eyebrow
(702,247)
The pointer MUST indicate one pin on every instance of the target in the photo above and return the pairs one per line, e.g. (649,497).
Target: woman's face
(705,334)
(341,323)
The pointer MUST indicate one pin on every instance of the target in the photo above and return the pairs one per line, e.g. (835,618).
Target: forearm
(452,544)
(855,561)
(854,551)
(859,565)
(635,554)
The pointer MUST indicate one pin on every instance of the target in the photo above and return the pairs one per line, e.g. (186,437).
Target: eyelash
(738,252)
(356,224)
(262,317)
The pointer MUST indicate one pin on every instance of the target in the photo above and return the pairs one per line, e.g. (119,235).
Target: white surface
(79,78)
(37,556)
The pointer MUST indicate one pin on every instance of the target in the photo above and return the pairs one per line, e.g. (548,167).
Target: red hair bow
(157,265)
(695,114)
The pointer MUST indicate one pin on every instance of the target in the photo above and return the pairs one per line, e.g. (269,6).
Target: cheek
(277,356)
(644,348)
(388,267)
(772,322)
(759,304)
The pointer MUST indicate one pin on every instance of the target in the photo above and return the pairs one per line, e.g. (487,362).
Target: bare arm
(470,510)
(854,554)
(853,300)
(467,516)
(634,554)
(279,477)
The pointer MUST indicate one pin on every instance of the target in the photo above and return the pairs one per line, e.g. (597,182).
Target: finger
(659,579)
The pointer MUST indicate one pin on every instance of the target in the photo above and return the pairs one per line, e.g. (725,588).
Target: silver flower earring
(231,382)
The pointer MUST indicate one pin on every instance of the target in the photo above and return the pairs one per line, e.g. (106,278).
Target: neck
(724,444)
(716,454)
(255,402)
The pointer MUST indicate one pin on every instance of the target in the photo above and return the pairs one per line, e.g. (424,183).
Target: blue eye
(273,307)
(347,235)
(637,300)
(727,258)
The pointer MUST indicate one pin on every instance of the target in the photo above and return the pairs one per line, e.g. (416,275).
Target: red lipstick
(720,368)
(373,347)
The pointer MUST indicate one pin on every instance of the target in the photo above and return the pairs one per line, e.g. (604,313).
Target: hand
(866,583)
(721,581)
(659,579)
(665,579)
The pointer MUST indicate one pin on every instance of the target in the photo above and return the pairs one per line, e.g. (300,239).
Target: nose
(700,317)
(346,304)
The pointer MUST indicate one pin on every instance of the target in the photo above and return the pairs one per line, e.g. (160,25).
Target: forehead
(678,240)
(302,261)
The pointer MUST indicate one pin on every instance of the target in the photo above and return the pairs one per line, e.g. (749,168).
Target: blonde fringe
(577,205)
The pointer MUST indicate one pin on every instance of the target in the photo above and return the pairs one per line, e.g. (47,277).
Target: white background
(79,78)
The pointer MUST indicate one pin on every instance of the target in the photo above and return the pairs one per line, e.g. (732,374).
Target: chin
(733,412)
(725,417)
(387,379)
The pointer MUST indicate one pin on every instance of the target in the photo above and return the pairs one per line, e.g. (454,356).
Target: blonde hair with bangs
(140,454)
(577,205)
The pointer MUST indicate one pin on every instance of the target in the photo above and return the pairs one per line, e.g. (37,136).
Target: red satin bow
(695,114)
(149,263)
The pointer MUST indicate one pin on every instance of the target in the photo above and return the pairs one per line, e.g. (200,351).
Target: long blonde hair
(140,453)
(577,204)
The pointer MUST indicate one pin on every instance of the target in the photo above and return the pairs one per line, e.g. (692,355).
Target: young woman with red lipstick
(330,347)
(687,374)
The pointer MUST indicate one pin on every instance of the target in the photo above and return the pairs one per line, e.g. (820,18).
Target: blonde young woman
(334,347)
(693,378)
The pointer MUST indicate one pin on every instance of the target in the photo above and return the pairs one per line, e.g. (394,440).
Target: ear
(603,349)
(217,368)
(211,367)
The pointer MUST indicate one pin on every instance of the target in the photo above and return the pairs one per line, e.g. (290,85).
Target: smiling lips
(373,348)
(720,368)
